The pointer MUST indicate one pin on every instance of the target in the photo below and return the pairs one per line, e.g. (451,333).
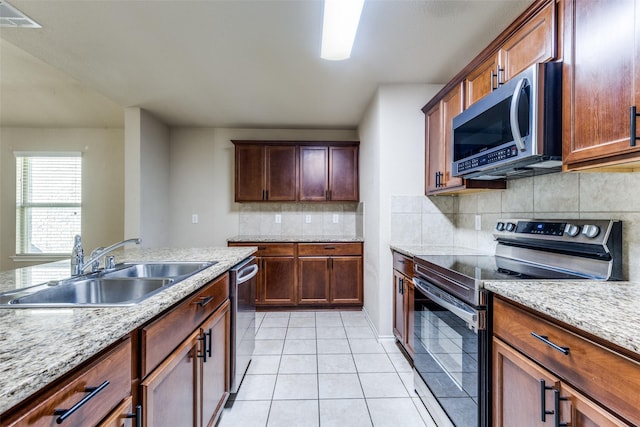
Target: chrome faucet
(78,264)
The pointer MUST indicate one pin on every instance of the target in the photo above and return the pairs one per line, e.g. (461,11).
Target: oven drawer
(403,264)
(605,375)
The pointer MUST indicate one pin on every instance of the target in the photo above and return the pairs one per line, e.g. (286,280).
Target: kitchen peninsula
(39,346)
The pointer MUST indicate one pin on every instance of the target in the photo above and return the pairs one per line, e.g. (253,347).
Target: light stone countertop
(608,310)
(295,239)
(38,346)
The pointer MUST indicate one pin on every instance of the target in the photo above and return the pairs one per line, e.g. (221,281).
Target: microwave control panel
(488,158)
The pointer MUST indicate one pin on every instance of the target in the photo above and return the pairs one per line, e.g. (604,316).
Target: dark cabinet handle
(556,406)
(204,301)
(633,136)
(329,247)
(543,401)
(545,339)
(401,286)
(206,348)
(137,415)
(266,197)
(66,413)
(493,78)
(262,248)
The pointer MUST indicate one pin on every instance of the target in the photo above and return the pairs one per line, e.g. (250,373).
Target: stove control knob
(590,230)
(500,226)
(510,226)
(572,230)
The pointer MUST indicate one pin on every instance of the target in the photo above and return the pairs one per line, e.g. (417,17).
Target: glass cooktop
(475,267)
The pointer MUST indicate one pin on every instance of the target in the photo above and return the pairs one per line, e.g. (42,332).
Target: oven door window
(446,357)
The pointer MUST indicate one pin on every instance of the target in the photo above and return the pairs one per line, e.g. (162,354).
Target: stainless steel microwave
(514,131)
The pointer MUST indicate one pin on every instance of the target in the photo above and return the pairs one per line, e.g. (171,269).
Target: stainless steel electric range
(452,326)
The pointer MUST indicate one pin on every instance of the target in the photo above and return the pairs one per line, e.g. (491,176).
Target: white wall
(202,179)
(102,176)
(392,162)
(147,179)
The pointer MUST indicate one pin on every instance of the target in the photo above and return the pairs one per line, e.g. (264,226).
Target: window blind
(48,202)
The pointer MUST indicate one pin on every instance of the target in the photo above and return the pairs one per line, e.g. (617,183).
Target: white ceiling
(228,63)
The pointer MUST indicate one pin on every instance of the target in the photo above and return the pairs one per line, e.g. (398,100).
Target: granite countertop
(416,250)
(295,239)
(608,310)
(38,346)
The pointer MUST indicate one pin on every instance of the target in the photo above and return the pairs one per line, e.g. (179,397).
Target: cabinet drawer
(270,249)
(163,335)
(606,376)
(329,249)
(114,366)
(403,264)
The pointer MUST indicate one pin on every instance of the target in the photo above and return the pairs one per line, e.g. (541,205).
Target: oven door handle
(471,318)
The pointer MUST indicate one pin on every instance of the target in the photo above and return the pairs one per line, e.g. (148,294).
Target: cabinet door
(600,81)
(433,148)
(409,315)
(517,383)
(281,173)
(534,42)
(398,307)
(314,173)
(279,281)
(452,105)
(169,394)
(580,411)
(215,369)
(346,280)
(250,173)
(481,81)
(343,174)
(313,280)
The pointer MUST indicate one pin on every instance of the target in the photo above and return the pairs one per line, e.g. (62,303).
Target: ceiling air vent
(12,17)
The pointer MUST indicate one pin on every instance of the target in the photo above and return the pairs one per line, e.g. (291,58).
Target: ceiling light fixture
(340,23)
(12,17)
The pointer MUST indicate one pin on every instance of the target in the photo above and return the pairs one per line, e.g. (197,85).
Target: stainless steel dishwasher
(242,294)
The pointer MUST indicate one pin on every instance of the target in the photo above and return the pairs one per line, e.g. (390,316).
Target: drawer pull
(545,339)
(543,401)
(66,413)
(206,348)
(262,248)
(556,404)
(137,415)
(204,301)
(329,247)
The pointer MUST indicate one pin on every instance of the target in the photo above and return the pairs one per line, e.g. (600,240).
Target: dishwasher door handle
(243,276)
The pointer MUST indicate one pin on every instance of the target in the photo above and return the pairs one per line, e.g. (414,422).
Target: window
(48,202)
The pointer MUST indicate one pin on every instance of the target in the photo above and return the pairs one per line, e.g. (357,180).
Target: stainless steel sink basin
(171,270)
(128,284)
(95,292)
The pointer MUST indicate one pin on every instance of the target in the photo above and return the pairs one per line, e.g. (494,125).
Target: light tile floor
(324,369)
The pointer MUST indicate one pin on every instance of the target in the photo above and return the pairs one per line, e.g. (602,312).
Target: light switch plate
(478,222)
(278,218)
(336,218)
(307,219)
(194,219)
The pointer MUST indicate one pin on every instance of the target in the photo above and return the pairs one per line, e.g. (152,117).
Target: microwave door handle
(515,124)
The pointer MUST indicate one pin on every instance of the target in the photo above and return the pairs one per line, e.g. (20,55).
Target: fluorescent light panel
(340,23)
(12,17)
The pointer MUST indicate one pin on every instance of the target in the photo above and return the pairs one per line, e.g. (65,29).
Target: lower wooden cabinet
(107,380)
(403,304)
(192,384)
(123,416)
(578,382)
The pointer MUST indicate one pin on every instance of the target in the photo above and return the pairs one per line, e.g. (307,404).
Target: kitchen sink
(128,284)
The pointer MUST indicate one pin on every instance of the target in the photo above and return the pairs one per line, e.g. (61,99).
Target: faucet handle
(109,263)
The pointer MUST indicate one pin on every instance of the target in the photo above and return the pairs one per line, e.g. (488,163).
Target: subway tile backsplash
(301,219)
(447,220)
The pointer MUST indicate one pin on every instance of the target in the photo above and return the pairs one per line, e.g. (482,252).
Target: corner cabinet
(601,84)
(403,305)
(289,171)
(558,376)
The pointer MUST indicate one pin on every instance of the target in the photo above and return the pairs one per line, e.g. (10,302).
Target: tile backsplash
(447,220)
(301,219)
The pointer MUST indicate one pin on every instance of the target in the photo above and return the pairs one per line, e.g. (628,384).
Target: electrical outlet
(478,222)
(307,219)
(278,218)
(194,219)
(336,218)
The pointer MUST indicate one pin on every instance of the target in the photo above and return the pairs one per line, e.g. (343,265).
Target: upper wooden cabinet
(529,42)
(601,83)
(265,172)
(304,171)
(329,173)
